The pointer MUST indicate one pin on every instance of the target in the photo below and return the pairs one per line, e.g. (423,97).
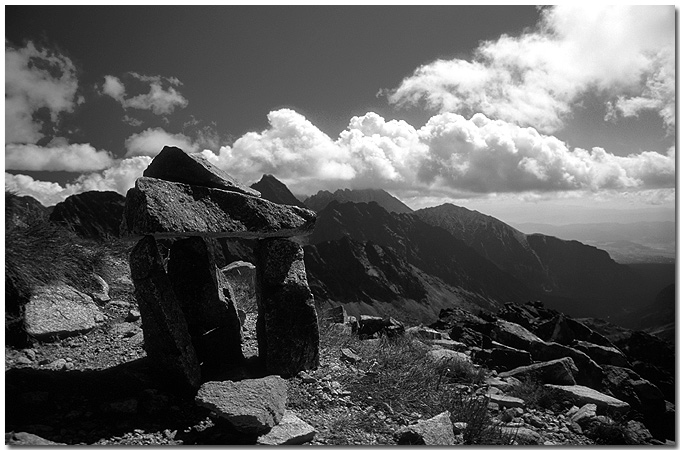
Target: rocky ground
(98,388)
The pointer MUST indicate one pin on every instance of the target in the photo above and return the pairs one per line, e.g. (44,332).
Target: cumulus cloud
(152,140)
(119,178)
(448,156)
(34,79)
(57,156)
(623,52)
(160,100)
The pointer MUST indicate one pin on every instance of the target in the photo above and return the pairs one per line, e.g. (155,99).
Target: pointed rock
(173,164)
(558,371)
(582,395)
(166,209)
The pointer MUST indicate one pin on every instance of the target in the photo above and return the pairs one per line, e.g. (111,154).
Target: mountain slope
(431,249)
(580,279)
(321,199)
(275,191)
(93,214)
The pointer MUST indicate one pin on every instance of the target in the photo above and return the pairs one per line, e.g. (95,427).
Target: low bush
(536,395)
(473,410)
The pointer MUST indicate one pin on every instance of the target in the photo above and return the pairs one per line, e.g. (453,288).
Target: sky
(560,114)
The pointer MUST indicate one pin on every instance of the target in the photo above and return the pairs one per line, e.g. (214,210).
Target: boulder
(167,340)
(287,328)
(589,372)
(173,164)
(291,430)
(207,301)
(522,435)
(503,358)
(58,310)
(558,371)
(582,395)
(637,433)
(449,344)
(514,335)
(437,430)
(166,209)
(625,384)
(469,337)
(251,406)
(23,438)
(101,293)
(528,315)
(442,356)
(458,317)
(601,354)
(369,325)
(242,278)
(564,330)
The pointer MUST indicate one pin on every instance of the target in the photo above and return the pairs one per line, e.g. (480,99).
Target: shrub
(612,432)
(536,395)
(473,410)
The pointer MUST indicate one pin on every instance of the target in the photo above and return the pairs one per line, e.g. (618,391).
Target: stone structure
(191,324)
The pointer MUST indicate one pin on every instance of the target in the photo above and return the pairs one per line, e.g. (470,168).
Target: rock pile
(191,324)
(578,363)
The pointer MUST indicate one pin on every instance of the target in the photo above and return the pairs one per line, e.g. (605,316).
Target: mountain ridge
(321,199)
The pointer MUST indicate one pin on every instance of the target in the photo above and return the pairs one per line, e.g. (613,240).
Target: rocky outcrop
(559,371)
(93,214)
(194,327)
(252,406)
(166,209)
(57,311)
(275,191)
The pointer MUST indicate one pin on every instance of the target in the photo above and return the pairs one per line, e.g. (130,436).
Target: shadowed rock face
(91,214)
(166,209)
(173,164)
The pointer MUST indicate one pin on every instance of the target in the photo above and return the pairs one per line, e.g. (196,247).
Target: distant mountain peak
(323,198)
(274,190)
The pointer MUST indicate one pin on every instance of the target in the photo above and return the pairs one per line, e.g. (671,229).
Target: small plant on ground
(536,395)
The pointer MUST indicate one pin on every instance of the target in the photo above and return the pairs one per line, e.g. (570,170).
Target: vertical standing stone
(166,335)
(208,305)
(287,328)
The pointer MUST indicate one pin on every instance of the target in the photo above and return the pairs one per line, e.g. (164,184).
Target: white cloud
(119,178)
(34,79)
(623,52)
(132,121)
(152,140)
(159,100)
(57,156)
(450,156)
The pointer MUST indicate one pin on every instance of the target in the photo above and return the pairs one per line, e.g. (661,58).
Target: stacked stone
(191,325)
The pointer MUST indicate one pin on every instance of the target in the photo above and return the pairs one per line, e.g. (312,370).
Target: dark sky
(237,63)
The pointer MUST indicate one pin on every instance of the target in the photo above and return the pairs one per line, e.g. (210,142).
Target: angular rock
(514,335)
(291,430)
(424,332)
(585,413)
(601,354)
(582,395)
(449,344)
(348,355)
(166,209)
(166,334)
(558,371)
(173,164)
(287,327)
(101,294)
(435,431)
(252,406)
(503,358)
(638,433)
(59,310)
(565,330)
(523,435)
(207,302)
(369,325)
(506,401)
(589,372)
(625,384)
